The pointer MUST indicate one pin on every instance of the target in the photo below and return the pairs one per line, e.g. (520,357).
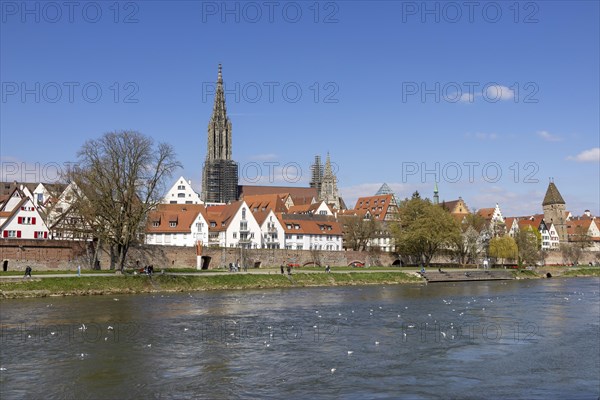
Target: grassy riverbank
(574,273)
(168,283)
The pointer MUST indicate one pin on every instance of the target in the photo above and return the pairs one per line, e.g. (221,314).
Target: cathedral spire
(219,127)
(220,172)
(329,190)
(436,195)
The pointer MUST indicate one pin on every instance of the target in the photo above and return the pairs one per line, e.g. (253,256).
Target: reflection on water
(522,339)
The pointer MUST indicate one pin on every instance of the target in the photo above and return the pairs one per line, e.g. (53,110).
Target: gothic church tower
(329,191)
(220,172)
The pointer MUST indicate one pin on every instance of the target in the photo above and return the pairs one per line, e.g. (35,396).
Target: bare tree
(120,178)
(358,231)
(470,243)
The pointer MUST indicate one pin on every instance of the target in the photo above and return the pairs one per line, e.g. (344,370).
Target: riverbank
(135,284)
(180,283)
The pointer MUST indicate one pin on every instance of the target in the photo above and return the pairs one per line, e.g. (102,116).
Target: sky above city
(488,99)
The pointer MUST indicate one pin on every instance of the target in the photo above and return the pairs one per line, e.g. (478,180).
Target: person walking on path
(27,272)
(281,269)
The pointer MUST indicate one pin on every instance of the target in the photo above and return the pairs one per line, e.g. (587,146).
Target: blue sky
(490,102)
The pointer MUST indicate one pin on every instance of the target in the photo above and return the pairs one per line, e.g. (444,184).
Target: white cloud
(591,155)
(467,98)
(547,136)
(498,92)
(264,157)
(482,135)
(511,204)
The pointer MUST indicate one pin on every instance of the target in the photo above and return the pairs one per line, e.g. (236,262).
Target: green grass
(51,272)
(525,273)
(169,283)
(592,271)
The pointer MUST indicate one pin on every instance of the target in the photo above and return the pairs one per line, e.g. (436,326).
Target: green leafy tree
(424,229)
(529,242)
(503,247)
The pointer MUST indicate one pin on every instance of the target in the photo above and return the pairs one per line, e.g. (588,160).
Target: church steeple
(219,127)
(329,190)
(220,172)
(436,196)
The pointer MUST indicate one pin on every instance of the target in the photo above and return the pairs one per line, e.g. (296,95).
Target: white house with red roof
(21,219)
(233,225)
(182,193)
(308,232)
(272,232)
(177,225)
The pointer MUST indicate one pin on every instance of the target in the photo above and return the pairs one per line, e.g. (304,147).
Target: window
(155,224)
(288,237)
(213,224)
(299,237)
(180,195)
(234,235)
(244,213)
(296,226)
(299,247)
(172,224)
(181,187)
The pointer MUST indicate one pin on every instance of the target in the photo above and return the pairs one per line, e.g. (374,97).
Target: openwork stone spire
(219,127)
(220,172)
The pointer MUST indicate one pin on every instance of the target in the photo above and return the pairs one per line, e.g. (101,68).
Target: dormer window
(156,224)
(172,224)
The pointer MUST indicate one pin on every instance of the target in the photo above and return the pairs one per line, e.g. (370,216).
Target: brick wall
(63,254)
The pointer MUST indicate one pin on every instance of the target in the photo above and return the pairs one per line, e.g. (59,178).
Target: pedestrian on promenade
(289,270)
(27,272)
(79,270)
(485,263)
(281,269)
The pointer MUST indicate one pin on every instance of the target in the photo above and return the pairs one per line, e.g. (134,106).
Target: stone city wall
(65,255)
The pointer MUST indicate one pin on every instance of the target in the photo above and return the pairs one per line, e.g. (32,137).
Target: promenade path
(269,271)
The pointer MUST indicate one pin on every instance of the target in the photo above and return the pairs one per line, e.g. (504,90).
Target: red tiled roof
(182,214)
(486,213)
(294,191)
(583,224)
(265,202)
(376,205)
(309,226)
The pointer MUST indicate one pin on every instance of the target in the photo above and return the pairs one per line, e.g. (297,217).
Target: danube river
(510,339)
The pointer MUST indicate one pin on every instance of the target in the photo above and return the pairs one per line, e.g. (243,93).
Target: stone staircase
(462,275)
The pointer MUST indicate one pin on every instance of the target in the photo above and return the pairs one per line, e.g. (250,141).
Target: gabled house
(317,208)
(233,225)
(63,218)
(548,233)
(265,202)
(182,193)
(495,220)
(272,232)
(21,219)
(303,232)
(177,225)
(584,230)
(382,207)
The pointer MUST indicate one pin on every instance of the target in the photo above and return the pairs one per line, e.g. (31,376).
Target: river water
(510,339)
